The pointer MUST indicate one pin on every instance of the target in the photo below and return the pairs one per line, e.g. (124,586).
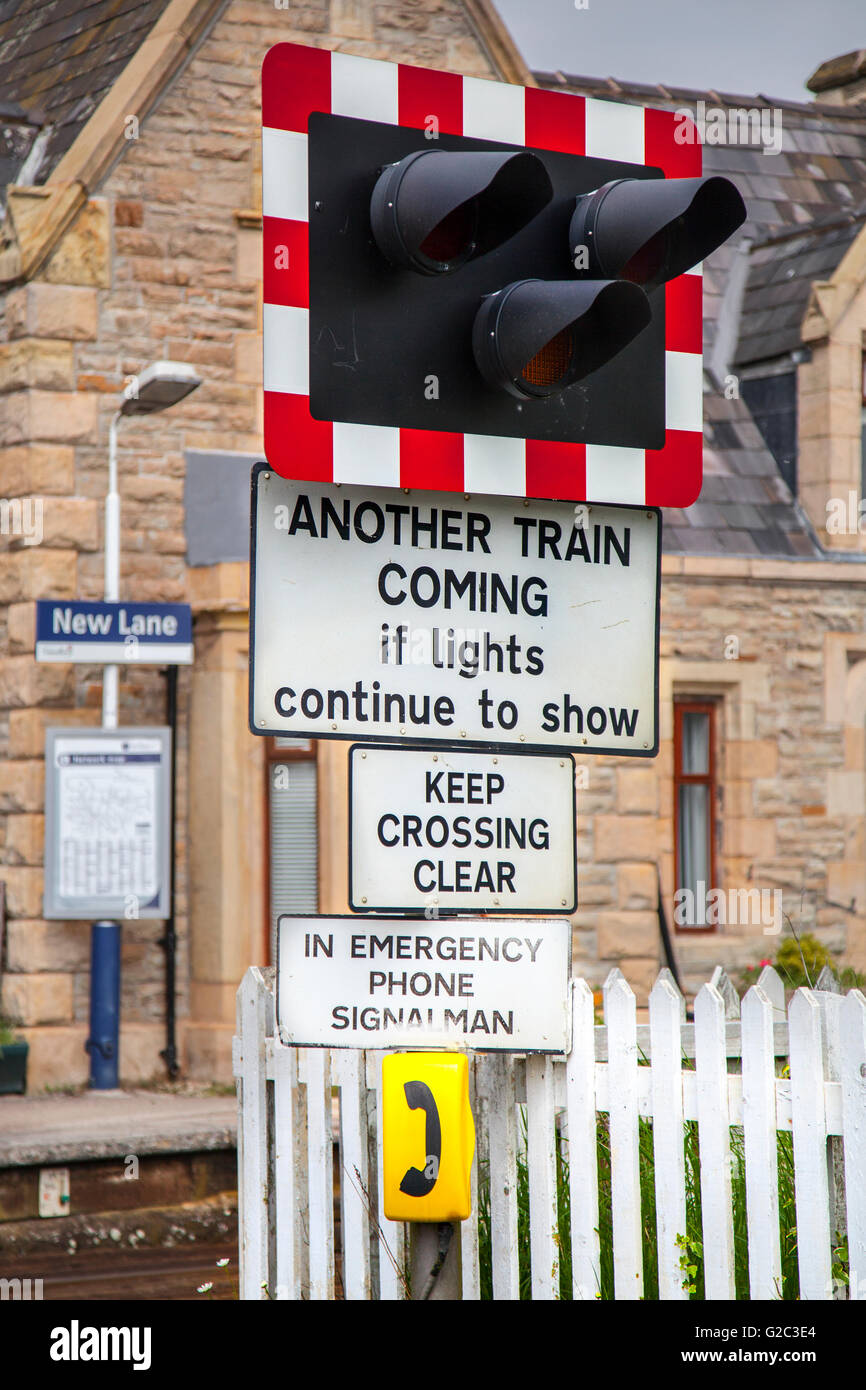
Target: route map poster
(107,822)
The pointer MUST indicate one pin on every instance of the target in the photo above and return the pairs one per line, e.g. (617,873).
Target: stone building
(131,231)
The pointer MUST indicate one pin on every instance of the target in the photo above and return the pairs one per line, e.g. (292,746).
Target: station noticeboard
(107,823)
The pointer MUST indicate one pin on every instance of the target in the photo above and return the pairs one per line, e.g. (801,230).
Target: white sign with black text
(484,984)
(385,614)
(432,830)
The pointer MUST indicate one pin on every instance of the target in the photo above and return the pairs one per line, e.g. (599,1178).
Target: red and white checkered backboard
(297,81)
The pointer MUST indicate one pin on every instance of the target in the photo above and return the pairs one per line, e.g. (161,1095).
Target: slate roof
(58,59)
(782,268)
(805,206)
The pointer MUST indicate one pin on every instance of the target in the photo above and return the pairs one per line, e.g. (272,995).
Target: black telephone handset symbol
(415,1182)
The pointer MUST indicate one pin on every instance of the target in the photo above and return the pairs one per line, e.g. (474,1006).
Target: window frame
(695,705)
(274,754)
(862,424)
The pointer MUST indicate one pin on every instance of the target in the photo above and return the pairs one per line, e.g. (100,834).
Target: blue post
(103,1043)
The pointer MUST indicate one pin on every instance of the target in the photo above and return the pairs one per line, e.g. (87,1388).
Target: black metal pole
(168,940)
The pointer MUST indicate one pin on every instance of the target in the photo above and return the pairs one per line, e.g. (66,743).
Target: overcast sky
(740,46)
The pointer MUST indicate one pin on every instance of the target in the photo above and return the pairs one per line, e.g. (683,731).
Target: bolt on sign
(492,985)
(439,831)
(474,286)
(383,615)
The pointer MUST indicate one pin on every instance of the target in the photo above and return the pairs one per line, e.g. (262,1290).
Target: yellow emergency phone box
(428,1136)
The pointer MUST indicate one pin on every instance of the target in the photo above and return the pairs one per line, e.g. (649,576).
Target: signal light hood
(434,210)
(534,338)
(650,231)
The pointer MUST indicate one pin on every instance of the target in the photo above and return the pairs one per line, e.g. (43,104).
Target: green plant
(799,961)
(8,1030)
(689,1241)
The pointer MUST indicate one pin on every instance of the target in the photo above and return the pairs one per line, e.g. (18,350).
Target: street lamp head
(159,386)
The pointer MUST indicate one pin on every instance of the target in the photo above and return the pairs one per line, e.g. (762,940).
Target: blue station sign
(157,634)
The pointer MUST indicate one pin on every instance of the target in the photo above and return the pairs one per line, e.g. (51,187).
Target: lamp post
(160,386)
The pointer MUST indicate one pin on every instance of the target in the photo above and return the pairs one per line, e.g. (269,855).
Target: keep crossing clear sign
(439,830)
(471,620)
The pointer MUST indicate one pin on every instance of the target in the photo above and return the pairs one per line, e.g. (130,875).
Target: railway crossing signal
(477,287)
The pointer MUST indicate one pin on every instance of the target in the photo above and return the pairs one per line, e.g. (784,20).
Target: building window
(694,811)
(292,841)
(772,401)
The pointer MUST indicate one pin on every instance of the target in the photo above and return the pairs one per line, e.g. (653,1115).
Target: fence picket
(666,1012)
(255,1023)
(314,1068)
(829,1000)
(501,1102)
(349,1074)
(393,1245)
(714,1143)
(761,1146)
(469,1264)
(853,1077)
(541,1161)
(288,1254)
(582,1144)
(811,1189)
(728,990)
(771,982)
(620,1013)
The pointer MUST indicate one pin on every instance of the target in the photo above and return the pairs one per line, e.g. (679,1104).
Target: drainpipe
(168,941)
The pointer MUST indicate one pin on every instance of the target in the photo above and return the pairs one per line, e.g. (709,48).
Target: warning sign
(388,615)
(492,985)
(436,831)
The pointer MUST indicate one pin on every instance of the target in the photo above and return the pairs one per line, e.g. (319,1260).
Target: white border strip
(286,348)
(615,474)
(364,87)
(284,174)
(366,454)
(494,111)
(684,391)
(615,130)
(495,464)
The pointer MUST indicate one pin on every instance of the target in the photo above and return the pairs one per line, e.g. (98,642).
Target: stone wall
(791,781)
(164,262)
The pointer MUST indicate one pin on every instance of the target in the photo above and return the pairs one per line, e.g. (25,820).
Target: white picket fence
(299,1107)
